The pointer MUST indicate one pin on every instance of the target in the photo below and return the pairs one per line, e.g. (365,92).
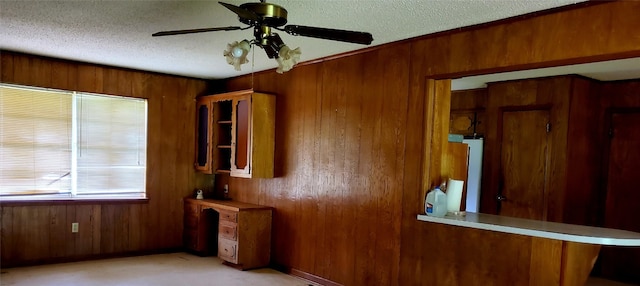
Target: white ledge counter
(543,229)
(554,253)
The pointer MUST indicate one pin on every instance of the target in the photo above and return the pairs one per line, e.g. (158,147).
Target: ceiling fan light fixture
(287,58)
(265,17)
(236,53)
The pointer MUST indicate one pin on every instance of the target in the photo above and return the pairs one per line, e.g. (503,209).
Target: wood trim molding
(73,202)
(89,257)
(312,278)
(436,121)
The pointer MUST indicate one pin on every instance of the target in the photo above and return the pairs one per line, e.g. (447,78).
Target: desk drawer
(228,230)
(228,250)
(228,216)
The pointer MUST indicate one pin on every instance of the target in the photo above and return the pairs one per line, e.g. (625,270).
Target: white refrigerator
(474,174)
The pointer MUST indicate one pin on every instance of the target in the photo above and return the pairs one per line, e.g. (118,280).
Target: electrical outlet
(74,227)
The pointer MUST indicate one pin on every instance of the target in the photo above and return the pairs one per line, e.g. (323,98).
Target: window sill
(20,203)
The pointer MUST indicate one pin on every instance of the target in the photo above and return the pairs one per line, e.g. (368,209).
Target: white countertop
(544,229)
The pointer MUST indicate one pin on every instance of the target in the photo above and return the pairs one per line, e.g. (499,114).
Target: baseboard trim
(312,278)
(43,261)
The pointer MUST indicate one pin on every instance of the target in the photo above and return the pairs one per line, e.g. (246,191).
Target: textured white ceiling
(118,33)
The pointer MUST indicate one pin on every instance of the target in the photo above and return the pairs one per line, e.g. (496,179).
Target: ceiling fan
(265,17)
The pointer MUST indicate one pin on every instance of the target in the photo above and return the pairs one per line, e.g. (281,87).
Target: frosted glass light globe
(237,52)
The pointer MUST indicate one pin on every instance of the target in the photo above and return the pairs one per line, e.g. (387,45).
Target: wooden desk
(562,254)
(241,231)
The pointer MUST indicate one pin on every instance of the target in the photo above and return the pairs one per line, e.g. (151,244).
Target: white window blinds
(35,141)
(56,144)
(111,149)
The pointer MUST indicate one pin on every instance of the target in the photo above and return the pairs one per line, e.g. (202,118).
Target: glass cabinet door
(241,136)
(203,148)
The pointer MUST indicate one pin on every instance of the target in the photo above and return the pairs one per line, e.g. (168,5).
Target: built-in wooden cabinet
(235,134)
(198,236)
(240,232)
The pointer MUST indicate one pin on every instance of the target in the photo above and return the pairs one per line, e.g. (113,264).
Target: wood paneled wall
(341,162)
(583,154)
(617,97)
(40,233)
(470,99)
(350,132)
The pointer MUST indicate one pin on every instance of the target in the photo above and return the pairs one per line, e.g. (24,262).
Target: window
(70,145)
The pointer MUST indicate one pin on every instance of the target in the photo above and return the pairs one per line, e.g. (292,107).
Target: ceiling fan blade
(191,31)
(330,34)
(242,13)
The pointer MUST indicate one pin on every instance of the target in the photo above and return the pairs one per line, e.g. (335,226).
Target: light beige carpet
(181,269)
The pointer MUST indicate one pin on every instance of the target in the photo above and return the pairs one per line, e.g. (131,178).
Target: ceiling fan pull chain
(253,61)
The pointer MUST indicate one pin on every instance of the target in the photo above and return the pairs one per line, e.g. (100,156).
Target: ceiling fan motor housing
(270,14)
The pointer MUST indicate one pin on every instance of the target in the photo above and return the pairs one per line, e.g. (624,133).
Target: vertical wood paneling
(168,142)
(364,248)
(21,69)
(58,222)
(344,143)
(324,176)
(120,227)
(347,107)
(287,193)
(59,75)
(96,229)
(88,78)
(352,180)
(40,72)
(308,187)
(7,231)
(110,83)
(31,224)
(108,229)
(470,99)
(6,68)
(546,257)
(71,238)
(584,144)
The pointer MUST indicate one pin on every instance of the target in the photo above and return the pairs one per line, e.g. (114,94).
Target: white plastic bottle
(436,203)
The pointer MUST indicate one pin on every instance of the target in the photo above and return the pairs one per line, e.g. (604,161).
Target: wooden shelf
(224,122)
(224,146)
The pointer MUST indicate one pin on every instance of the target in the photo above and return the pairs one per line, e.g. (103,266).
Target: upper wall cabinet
(235,134)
